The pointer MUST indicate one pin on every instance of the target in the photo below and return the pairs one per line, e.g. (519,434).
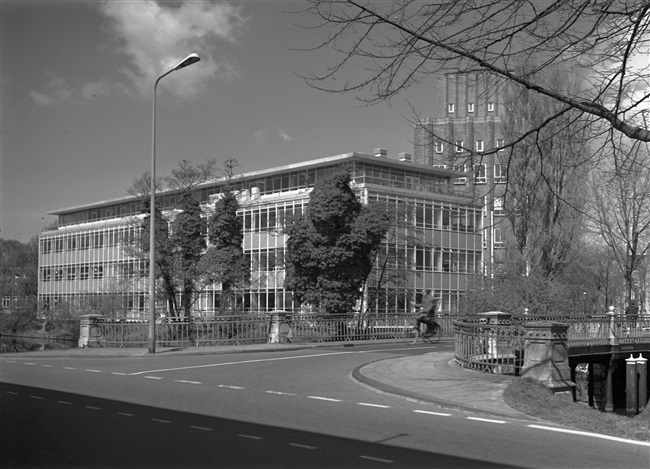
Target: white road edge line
(324,398)
(441,414)
(595,435)
(479,419)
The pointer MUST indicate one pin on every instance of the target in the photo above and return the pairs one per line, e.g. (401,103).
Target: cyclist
(427,312)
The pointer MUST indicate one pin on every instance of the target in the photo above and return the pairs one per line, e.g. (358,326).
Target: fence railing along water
(258,328)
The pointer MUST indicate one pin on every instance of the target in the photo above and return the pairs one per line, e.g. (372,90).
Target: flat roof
(353,156)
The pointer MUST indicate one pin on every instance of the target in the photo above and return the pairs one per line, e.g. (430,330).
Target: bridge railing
(499,348)
(258,328)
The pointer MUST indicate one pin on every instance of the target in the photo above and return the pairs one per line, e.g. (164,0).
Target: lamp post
(189,60)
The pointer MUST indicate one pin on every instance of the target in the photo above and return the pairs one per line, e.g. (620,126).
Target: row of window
(479,173)
(451,107)
(125,236)
(459,146)
(125,269)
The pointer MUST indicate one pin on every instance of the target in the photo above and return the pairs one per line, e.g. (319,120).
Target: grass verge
(533,398)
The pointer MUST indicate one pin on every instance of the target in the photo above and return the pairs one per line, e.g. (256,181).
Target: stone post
(546,355)
(89,332)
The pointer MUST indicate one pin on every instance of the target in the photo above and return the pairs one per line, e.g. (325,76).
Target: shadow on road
(44,428)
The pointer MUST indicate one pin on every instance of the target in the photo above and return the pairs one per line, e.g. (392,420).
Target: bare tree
(621,209)
(400,44)
(544,194)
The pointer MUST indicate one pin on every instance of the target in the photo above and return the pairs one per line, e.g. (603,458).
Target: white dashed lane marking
(441,414)
(319,398)
(250,437)
(298,445)
(479,419)
(380,406)
(371,458)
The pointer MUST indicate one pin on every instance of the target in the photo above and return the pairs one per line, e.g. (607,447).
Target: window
(479,145)
(58,275)
(459,146)
(498,207)
(470,107)
(98,271)
(490,107)
(450,108)
(84,272)
(499,173)
(72,273)
(439,146)
(500,144)
(462,180)
(498,238)
(479,174)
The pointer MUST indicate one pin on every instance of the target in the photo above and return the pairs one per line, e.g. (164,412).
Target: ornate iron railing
(259,328)
(499,348)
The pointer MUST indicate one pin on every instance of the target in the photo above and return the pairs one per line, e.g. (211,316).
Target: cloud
(56,90)
(260,137)
(285,137)
(156,37)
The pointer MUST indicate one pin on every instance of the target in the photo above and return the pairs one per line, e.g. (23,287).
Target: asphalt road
(291,409)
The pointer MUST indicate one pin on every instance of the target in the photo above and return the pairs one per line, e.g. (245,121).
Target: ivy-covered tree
(330,250)
(188,239)
(224,262)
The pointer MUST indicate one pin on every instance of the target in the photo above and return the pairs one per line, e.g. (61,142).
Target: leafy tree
(179,249)
(330,250)
(401,44)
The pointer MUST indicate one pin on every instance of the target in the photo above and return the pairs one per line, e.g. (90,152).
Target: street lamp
(189,60)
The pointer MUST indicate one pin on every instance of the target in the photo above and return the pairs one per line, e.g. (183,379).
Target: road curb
(358,375)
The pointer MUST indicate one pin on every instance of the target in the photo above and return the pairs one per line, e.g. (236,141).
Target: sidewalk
(433,377)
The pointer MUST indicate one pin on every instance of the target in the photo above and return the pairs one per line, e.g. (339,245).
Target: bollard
(642,371)
(630,387)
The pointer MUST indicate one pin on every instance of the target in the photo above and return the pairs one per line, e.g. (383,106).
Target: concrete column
(546,356)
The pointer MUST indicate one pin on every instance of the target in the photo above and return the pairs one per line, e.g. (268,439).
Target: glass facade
(89,263)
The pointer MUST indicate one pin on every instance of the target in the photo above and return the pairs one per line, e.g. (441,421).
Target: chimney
(405,157)
(380,152)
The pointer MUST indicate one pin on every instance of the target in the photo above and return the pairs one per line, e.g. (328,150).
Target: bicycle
(411,334)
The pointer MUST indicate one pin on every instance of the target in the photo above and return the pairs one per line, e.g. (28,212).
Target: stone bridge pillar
(546,355)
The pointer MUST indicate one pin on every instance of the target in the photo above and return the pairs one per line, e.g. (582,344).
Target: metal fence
(259,328)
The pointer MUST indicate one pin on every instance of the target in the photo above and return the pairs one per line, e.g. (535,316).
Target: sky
(76,98)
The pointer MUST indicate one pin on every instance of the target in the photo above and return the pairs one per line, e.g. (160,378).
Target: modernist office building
(88,263)
(464,135)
